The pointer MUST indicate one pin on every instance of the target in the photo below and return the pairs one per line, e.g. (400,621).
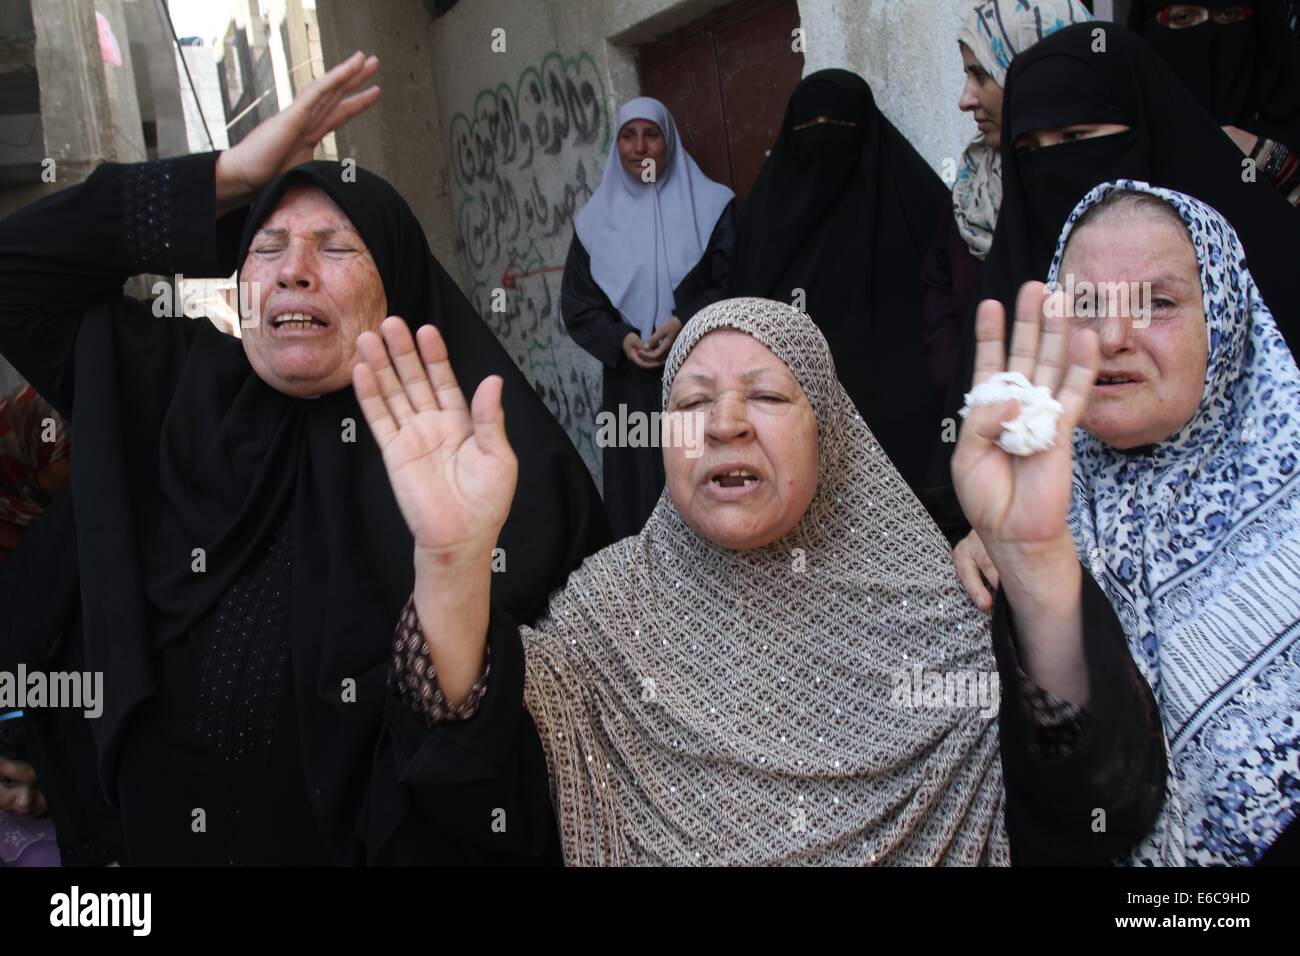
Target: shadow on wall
(524,160)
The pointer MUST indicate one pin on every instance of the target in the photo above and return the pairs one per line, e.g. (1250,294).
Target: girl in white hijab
(650,248)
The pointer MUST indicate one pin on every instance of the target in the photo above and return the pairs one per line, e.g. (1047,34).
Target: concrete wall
(153,53)
(127,133)
(204,130)
(907,51)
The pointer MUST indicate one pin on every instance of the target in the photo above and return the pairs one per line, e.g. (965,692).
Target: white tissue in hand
(1034,429)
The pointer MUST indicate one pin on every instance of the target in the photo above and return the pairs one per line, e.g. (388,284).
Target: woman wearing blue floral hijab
(1185,508)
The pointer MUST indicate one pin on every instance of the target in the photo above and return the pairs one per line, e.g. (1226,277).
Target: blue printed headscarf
(1196,540)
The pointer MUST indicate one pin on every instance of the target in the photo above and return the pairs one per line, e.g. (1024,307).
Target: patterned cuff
(417,683)
(1060,724)
(1280,165)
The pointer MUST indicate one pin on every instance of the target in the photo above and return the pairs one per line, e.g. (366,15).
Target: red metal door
(726,79)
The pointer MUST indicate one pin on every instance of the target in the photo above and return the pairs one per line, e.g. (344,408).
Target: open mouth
(735,478)
(1117,378)
(297,320)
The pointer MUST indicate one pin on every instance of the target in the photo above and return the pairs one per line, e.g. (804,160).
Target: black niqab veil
(1068,78)
(234,458)
(846,213)
(1246,74)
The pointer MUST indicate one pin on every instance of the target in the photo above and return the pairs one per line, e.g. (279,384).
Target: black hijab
(1172,142)
(1245,74)
(846,213)
(194,450)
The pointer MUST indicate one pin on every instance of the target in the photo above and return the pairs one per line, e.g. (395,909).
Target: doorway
(726,79)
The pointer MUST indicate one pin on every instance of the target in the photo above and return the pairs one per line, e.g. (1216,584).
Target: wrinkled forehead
(307,209)
(788,335)
(727,356)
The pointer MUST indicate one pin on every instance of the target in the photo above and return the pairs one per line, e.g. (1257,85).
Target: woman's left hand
(661,341)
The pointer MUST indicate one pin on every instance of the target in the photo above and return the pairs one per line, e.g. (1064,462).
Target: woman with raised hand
(651,247)
(772,671)
(236,540)
(1091,104)
(1179,494)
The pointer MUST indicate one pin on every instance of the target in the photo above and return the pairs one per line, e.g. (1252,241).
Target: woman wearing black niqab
(1094,73)
(1238,58)
(844,210)
(240,554)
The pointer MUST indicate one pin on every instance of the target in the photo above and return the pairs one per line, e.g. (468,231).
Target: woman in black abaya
(647,254)
(1061,93)
(838,223)
(1239,60)
(241,557)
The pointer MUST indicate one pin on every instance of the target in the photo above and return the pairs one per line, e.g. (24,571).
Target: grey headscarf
(789,704)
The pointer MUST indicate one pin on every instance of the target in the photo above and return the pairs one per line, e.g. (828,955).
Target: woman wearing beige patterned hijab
(782,667)
(992,34)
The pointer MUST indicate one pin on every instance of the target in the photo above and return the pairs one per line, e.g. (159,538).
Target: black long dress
(845,214)
(247,712)
(634,476)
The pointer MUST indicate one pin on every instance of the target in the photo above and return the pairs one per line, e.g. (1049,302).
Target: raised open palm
(1014,501)
(290,136)
(452,469)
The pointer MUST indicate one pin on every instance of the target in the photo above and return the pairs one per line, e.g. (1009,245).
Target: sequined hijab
(814,701)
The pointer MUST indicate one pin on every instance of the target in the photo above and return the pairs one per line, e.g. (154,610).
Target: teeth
(295,319)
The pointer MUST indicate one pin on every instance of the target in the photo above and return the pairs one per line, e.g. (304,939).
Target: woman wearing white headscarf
(780,668)
(650,249)
(1185,508)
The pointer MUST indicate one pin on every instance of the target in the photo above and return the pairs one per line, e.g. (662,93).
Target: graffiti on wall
(525,159)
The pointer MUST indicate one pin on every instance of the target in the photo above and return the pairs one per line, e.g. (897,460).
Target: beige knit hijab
(700,705)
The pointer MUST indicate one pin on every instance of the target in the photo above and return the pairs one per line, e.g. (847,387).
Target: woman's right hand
(1019,503)
(452,469)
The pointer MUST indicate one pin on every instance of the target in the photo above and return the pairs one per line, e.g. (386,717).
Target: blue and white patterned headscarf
(1197,544)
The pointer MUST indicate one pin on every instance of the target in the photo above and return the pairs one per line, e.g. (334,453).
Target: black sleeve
(477,789)
(590,317)
(707,282)
(1094,805)
(940,320)
(67,252)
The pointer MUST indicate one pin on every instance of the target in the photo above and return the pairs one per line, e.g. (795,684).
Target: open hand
(452,469)
(289,138)
(1014,503)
